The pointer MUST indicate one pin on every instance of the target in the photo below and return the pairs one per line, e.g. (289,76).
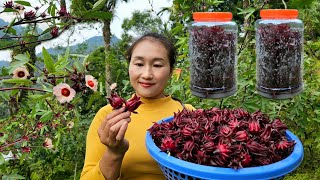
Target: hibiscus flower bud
(63,12)
(26,149)
(20,73)
(116,101)
(168,145)
(254,127)
(54,32)
(241,136)
(8,4)
(39,125)
(25,138)
(29,15)
(133,104)
(91,82)
(43,15)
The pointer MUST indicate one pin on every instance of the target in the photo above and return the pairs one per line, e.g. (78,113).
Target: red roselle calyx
(116,101)
(223,138)
(8,4)
(131,105)
(168,145)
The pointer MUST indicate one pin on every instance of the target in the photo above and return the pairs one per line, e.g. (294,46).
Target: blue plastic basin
(174,168)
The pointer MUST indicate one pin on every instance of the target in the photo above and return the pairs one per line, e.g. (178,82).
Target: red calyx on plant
(223,138)
(55,31)
(8,4)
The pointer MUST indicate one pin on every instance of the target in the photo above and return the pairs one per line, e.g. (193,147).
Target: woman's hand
(112,131)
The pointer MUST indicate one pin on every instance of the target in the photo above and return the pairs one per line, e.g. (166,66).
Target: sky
(83,32)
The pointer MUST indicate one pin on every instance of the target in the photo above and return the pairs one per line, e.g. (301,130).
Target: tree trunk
(107,38)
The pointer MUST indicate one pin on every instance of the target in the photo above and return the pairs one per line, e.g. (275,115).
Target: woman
(108,153)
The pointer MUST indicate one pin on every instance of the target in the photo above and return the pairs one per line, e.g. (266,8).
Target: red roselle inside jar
(212,51)
(279,48)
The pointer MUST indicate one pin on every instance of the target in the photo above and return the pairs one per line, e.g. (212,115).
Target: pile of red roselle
(223,138)
(131,105)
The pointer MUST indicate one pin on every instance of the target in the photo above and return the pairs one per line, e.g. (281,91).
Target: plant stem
(22,88)
(284,3)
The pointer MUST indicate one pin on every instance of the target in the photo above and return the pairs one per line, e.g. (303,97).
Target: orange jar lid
(279,14)
(212,16)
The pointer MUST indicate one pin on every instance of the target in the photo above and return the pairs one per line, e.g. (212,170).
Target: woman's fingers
(116,119)
(108,117)
(122,131)
(115,129)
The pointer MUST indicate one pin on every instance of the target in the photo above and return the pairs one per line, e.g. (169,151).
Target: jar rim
(212,16)
(279,13)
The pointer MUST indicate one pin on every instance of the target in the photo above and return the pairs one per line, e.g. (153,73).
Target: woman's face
(149,69)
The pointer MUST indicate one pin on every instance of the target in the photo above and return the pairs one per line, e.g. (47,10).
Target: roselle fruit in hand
(223,138)
(131,105)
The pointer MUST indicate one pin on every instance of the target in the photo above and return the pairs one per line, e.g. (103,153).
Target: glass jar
(279,51)
(212,51)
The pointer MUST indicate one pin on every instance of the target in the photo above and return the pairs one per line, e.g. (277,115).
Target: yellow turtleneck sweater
(137,163)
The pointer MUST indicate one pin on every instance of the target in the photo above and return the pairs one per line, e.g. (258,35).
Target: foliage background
(301,113)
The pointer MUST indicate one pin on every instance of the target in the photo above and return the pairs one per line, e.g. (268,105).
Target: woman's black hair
(167,43)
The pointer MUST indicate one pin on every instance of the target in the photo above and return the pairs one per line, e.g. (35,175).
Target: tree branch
(22,88)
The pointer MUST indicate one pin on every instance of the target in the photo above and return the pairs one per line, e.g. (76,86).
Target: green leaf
(22,57)
(46,31)
(98,15)
(17,81)
(9,10)
(46,116)
(1,159)
(66,54)
(53,10)
(11,30)
(248,15)
(48,61)
(12,177)
(249,10)
(38,97)
(78,66)
(25,3)
(99,4)
(33,67)
(5,96)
